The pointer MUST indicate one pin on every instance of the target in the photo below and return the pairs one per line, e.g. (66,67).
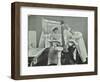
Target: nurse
(53,51)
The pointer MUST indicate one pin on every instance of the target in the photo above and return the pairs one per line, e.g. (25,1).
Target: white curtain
(47,26)
(81,45)
(42,41)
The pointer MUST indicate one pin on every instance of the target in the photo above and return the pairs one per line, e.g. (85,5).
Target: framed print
(51,40)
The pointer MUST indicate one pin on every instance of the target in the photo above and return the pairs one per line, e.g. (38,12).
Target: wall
(35,24)
(5,41)
(76,23)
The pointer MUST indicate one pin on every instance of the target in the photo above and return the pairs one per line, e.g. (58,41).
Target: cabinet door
(32,39)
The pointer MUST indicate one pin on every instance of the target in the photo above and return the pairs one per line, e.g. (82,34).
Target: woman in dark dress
(71,56)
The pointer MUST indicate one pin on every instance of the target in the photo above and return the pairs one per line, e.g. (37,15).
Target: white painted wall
(5,40)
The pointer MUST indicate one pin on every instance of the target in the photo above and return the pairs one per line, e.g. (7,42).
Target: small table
(59,54)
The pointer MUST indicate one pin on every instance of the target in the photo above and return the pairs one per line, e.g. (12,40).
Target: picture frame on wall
(53,40)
